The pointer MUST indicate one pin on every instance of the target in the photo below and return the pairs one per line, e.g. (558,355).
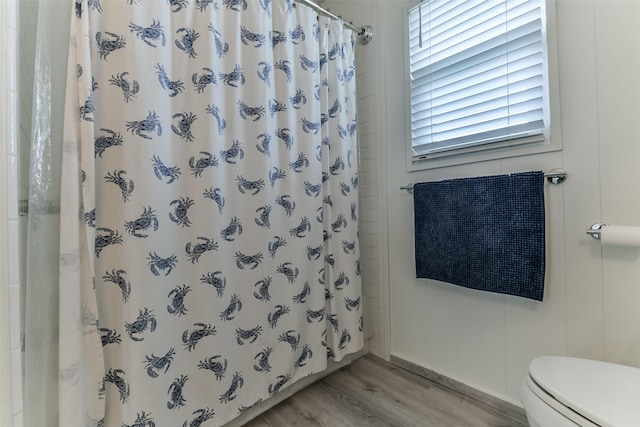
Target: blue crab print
(116,277)
(305,226)
(314,253)
(220,121)
(202,414)
(236,384)
(277,37)
(276,106)
(274,316)
(144,320)
(215,365)
(345,189)
(247,37)
(180,208)
(176,306)
(235,5)
(191,339)
(284,66)
(285,135)
(143,127)
(221,47)
(94,5)
(337,50)
(198,166)
(219,283)
(174,87)
(290,273)
(300,162)
(315,315)
(298,100)
(109,336)
(310,127)
(177,5)
(157,263)
(126,188)
(232,153)
(245,185)
(203,4)
(263,216)
(200,82)
(206,245)
(87,109)
(274,245)
(235,305)
(105,237)
(162,171)
(263,145)
(214,194)
(234,78)
(281,381)
(250,335)
(183,128)
(308,65)
(108,140)
(156,363)
(176,399)
(186,40)
(304,356)
(290,338)
(264,72)
(348,247)
(243,260)
(90,218)
(345,338)
(144,222)
(154,32)
(263,289)
(246,111)
(337,166)
(312,190)
(341,281)
(116,377)
(288,205)
(351,305)
(232,229)
(339,224)
(129,89)
(297,34)
(301,297)
(262,360)
(110,43)
(142,420)
(275,175)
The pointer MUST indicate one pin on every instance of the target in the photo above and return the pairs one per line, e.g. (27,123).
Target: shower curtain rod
(365,33)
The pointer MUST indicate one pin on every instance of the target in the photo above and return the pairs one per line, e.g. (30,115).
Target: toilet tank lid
(607,394)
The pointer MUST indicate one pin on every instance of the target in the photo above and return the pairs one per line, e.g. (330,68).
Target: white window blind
(477,73)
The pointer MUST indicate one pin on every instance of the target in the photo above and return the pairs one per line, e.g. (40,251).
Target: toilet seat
(588,392)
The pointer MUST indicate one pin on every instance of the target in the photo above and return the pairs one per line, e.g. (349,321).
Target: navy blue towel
(485,233)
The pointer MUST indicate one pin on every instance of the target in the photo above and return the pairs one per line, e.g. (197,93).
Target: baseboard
(508,409)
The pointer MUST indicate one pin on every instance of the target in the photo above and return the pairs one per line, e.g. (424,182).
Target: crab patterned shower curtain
(209,249)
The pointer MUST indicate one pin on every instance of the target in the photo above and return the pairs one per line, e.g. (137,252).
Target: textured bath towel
(485,233)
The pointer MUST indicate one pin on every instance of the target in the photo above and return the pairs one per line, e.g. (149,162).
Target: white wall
(592,294)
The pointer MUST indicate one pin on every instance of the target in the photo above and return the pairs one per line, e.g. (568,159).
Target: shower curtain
(209,249)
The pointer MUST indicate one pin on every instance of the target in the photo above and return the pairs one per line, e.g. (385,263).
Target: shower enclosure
(302,132)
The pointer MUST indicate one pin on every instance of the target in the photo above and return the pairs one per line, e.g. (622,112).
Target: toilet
(568,391)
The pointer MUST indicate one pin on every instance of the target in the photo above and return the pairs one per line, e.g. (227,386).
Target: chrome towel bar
(554,176)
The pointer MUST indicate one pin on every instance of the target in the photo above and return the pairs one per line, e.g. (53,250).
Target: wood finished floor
(372,392)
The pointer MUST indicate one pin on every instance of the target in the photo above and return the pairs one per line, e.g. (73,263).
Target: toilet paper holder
(594,230)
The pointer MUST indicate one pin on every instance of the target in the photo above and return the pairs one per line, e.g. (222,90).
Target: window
(478,76)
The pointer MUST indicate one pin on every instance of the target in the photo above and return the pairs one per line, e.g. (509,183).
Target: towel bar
(554,176)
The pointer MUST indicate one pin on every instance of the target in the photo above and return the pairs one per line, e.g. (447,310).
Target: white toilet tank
(605,393)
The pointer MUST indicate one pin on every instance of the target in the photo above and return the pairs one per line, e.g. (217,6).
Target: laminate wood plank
(373,393)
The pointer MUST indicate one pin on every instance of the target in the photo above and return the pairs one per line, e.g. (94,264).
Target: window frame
(551,140)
